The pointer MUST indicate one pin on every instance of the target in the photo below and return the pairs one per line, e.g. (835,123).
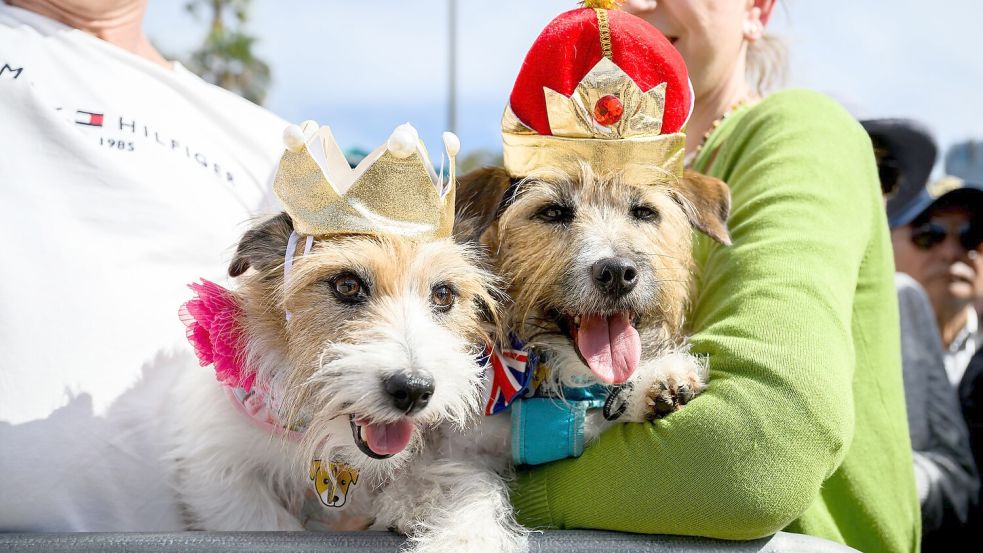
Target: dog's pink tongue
(610,345)
(388,438)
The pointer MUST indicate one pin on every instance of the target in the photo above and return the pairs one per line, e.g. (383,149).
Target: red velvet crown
(571,45)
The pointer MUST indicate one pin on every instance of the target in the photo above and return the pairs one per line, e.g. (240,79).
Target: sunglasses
(932,233)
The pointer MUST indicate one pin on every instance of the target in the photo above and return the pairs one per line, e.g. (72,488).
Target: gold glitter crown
(394,190)
(608,122)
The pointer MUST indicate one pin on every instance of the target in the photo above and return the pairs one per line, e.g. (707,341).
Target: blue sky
(364,67)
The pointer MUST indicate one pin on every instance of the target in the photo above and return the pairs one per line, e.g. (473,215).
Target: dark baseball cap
(906,154)
(948,191)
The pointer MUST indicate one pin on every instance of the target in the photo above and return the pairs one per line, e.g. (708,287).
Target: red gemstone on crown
(608,110)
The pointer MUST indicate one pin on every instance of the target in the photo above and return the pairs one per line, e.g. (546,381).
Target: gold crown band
(642,159)
(605,31)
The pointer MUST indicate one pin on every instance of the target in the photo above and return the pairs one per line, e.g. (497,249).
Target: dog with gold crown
(353,330)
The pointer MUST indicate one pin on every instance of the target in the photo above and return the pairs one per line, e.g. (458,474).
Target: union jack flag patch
(511,372)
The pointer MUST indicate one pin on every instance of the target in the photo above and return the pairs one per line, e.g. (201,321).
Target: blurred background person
(945,475)
(936,236)
(937,239)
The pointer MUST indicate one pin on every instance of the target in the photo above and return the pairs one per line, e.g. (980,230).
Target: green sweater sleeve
(773,313)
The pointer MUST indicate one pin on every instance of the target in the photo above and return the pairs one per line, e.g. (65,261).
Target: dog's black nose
(615,276)
(410,392)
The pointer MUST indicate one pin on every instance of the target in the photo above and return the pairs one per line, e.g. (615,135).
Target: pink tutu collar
(212,320)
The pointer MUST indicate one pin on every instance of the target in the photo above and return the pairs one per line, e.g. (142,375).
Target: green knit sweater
(803,424)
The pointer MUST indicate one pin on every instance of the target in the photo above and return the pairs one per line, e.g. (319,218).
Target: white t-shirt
(966,343)
(120,182)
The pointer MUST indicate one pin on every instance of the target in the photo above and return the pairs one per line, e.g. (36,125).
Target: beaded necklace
(690,158)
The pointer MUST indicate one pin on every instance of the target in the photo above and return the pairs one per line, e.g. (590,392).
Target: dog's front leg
(657,388)
(453,506)
(661,386)
(230,498)
(222,464)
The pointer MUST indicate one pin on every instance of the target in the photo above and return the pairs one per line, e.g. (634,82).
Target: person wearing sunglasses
(936,239)
(945,475)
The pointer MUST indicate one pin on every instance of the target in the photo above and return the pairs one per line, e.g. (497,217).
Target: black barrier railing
(553,541)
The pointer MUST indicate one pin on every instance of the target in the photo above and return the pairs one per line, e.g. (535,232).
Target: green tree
(226,56)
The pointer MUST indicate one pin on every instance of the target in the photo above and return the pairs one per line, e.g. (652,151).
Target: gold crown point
(293,138)
(451,143)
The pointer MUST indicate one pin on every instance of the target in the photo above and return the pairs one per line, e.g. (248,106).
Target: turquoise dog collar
(546,429)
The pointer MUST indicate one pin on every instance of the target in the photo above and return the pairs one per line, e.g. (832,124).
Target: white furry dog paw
(663,387)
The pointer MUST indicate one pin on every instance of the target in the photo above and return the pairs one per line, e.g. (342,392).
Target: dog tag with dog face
(333,482)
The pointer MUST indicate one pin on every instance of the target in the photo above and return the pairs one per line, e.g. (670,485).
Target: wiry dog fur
(326,364)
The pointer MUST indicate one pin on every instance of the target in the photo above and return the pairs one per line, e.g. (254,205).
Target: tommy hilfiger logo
(88,118)
(130,128)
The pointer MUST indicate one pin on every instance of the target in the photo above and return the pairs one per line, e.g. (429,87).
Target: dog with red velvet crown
(590,223)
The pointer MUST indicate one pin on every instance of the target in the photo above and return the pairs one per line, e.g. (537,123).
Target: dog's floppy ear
(706,201)
(478,206)
(479,200)
(353,473)
(263,246)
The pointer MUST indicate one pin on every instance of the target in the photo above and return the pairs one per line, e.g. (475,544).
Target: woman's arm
(774,314)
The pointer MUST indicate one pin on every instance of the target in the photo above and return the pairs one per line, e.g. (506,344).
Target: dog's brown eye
(643,213)
(555,213)
(349,288)
(442,297)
